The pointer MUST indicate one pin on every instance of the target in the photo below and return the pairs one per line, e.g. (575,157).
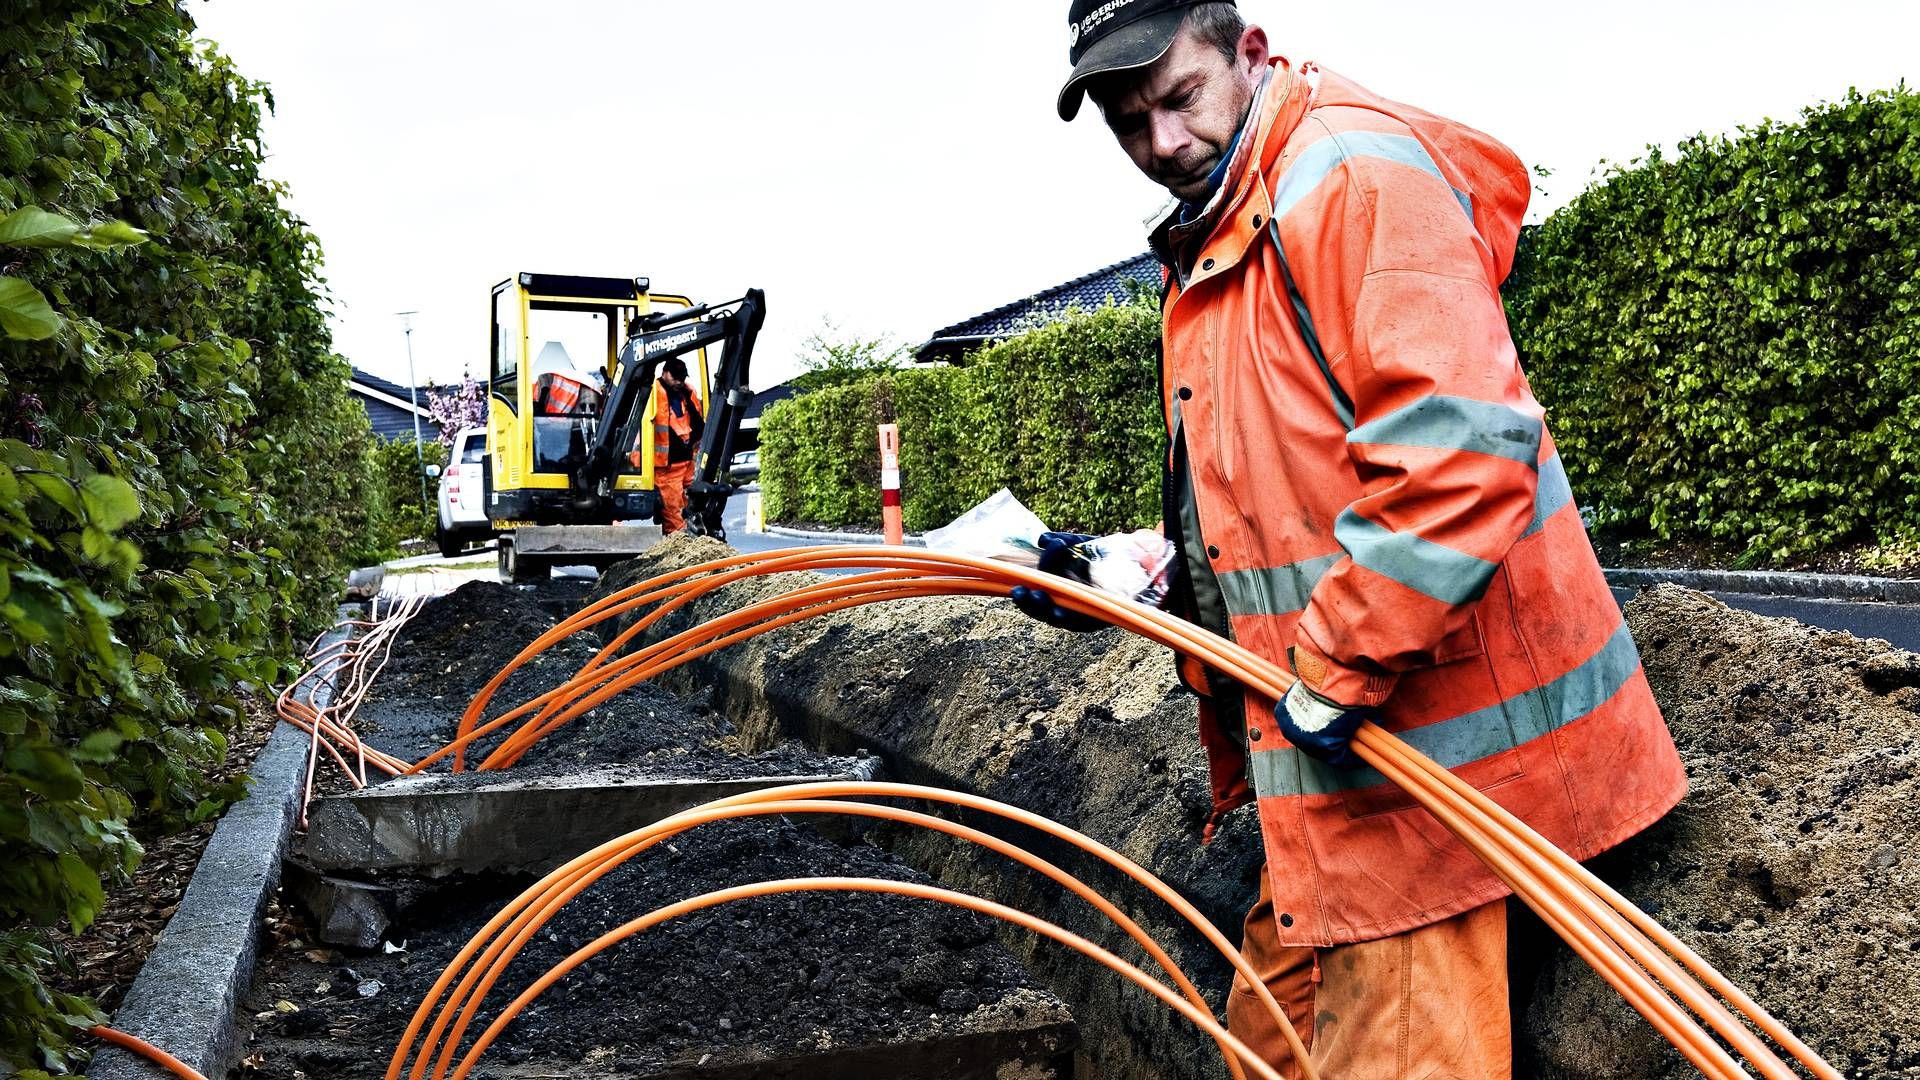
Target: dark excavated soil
(757,979)
(1092,731)
(1793,866)
(456,644)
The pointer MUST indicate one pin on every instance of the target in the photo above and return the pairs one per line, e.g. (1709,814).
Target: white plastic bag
(1135,565)
(999,528)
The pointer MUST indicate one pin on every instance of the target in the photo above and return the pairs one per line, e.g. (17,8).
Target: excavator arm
(652,340)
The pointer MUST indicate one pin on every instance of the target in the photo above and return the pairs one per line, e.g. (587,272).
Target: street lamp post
(413,391)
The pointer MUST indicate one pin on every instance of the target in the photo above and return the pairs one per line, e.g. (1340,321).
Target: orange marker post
(890,484)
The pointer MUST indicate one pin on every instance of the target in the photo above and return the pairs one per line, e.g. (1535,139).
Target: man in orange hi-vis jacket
(679,421)
(1361,484)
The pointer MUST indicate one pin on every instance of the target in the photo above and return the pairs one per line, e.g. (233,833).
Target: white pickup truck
(463,494)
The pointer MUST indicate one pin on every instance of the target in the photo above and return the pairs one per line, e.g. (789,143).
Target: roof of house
(390,423)
(765,398)
(367,380)
(1109,284)
(390,407)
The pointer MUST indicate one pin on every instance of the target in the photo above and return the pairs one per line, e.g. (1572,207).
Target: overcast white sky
(894,165)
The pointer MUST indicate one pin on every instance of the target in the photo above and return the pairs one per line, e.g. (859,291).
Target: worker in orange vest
(678,425)
(1361,485)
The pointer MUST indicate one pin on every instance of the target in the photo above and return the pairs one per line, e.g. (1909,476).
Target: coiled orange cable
(1627,947)
(1643,961)
(503,937)
(1200,1016)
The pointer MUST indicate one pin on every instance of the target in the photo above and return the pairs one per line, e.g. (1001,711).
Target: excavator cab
(570,419)
(566,406)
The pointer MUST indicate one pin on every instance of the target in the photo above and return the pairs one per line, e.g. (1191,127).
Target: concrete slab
(351,914)
(183,1000)
(438,825)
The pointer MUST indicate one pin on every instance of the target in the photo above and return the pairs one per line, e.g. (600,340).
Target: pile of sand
(1792,866)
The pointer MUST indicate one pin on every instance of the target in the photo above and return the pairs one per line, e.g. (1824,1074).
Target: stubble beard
(1192,190)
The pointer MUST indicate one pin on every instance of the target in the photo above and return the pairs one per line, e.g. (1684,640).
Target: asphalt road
(1895,623)
(735,522)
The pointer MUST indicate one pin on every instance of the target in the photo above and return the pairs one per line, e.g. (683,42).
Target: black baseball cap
(1105,36)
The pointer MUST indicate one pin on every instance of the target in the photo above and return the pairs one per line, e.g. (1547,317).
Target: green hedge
(1728,340)
(404,514)
(187,475)
(1065,415)
(819,459)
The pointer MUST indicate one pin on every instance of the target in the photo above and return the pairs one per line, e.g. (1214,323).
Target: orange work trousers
(672,480)
(1429,1004)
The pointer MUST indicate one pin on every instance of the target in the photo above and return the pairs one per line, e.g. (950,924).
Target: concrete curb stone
(1854,587)
(184,998)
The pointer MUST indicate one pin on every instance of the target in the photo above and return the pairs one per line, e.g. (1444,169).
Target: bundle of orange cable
(1658,975)
(449,1008)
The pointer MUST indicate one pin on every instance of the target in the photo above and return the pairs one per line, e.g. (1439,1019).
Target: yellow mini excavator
(570,462)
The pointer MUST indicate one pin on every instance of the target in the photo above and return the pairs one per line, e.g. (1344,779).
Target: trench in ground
(797,985)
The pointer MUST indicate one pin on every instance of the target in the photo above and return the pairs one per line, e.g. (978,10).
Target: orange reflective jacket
(1362,476)
(666,424)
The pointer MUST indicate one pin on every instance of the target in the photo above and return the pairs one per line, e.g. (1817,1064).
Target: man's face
(1176,118)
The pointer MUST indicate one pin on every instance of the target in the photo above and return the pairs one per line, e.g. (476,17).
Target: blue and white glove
(1322,729)
(1057,557)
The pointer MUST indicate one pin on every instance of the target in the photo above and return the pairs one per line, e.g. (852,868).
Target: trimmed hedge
(402,513)
(187,475)
(820,456)
(1067,416)
(1728,341)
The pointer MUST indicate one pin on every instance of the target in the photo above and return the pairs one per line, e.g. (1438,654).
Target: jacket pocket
(1486,774)
(1463,644)
(1480,746)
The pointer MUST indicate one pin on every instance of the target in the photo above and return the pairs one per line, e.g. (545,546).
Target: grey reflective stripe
(1317,161)
(1283,590)
(1441,422)
(1276,590)
(1554,495)
(1449,576)
(1471,737)
(1342,404)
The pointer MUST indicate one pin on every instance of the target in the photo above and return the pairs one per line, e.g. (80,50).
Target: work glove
(1057,557)
(1322,729)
